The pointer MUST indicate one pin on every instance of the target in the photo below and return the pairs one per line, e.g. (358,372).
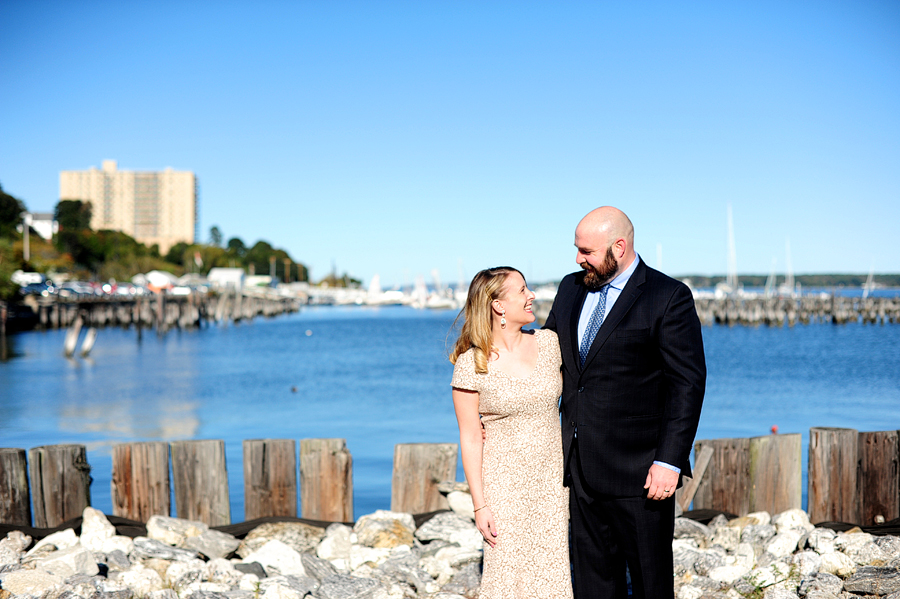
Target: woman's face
(516,300)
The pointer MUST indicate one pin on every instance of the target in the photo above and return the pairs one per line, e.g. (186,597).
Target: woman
(509,380)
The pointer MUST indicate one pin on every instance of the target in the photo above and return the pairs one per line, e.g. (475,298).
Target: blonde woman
(509,380)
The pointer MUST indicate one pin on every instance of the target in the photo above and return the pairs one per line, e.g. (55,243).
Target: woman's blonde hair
(477,317)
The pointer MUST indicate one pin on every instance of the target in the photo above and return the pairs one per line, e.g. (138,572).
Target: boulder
(822,582)
(461,503)
(838,564)
(872,580)
(298,536)
(452,528)
(726,537)
(212,543)
(173,531)
(795,519)
(277,558)
(68,562)
(336,545)
(142,581)
(685,528)
(58,540)
(758,534)
(29,582)
(821,540)
(95,529)
(146,548)
(466,582)
(807,563)
(784,543)
(458,556)
(385,529)
(342,586)
(317,567)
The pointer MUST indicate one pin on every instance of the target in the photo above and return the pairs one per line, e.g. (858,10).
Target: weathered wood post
(833,455)
(15,506)
(139,487)
(60,483)
(326,480)
(418,469)
(878,477)
(726,483)
(201,481)
(776,471)
(270,478)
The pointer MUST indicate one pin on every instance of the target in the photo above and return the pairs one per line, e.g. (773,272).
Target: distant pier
(781,311)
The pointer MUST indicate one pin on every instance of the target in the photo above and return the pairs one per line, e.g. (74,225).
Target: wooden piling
(326,480)
(418,469)
(201,481)
(727,479)
(140,480)
(60,483)
(776,473)
(878,478)
(15,506)
(270,478)
(832,472)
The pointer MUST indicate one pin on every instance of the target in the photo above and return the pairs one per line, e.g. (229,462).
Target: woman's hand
(484,521)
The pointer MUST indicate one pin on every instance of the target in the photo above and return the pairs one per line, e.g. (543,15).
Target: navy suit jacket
(638,397)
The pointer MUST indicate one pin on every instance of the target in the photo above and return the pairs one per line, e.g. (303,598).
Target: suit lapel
(633,290)
(577,305)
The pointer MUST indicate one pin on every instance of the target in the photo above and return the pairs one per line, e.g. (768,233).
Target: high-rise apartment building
(153,207)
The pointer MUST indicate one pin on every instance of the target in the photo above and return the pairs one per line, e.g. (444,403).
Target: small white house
(226,278)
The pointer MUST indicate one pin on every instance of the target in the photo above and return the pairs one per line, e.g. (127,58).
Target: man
(634,376)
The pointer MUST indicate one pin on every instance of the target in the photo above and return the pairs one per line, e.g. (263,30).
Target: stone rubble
(385,556)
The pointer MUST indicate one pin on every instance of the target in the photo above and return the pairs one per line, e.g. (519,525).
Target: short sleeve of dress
(464,373)
(553,345)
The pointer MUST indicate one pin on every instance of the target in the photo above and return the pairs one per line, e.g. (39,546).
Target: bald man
(634,375)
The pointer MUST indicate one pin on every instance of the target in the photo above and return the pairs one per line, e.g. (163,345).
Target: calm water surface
(380,376)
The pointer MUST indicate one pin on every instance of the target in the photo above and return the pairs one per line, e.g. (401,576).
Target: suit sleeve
(684,366)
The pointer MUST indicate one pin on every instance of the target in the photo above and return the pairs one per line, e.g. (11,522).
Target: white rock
(795,519)
(728,574)
(745,556)
(117,543)
(278,556)
(173,531)
(784,543)
(459,556)
(821,540)
(360,555)
(249,582)
(177,569)
(689,592)
(29,582)
(61,540)
(279,591)
(762,518)
(838,564)
(461,503)
(439,569)
(807,562)
(69,562)
(385,529)
(163,594)
(142,581)
(779,593)
(336,544)
(95,529)
(727,537)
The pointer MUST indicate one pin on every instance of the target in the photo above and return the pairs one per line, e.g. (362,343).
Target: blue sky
(401,137)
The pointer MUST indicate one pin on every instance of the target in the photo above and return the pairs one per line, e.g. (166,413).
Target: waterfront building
(154,207)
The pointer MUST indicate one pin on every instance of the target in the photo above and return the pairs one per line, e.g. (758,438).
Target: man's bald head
(605,242)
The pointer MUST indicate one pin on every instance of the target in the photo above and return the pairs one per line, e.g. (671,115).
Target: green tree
(8,265)
(215,236)
(236,248)
(176,253)
(11,210)
(73,215)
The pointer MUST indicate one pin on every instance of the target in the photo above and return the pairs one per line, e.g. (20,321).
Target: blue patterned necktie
(593,324)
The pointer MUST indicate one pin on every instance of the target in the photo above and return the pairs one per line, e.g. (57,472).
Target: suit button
(581,389)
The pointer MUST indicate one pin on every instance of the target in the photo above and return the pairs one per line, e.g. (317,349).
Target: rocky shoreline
(386,556)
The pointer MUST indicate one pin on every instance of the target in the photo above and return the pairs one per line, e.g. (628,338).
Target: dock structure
(853,477)
(159,311)
(783,311)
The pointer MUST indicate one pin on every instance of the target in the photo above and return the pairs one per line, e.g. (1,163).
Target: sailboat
(788,288)
(869,287)
(730,285)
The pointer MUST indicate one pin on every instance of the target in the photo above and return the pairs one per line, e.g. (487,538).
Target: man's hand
(661,482)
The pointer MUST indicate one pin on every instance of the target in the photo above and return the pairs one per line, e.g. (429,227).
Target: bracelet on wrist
(481,508)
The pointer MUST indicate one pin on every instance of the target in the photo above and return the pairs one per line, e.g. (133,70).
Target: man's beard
(595,278)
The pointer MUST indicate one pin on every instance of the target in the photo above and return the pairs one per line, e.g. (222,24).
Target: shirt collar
(620,281)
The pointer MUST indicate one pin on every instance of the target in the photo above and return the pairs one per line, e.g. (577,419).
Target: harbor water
(380,376)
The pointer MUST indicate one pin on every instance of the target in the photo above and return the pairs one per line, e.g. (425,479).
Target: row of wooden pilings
(160,311)
(780,311)
(140,484)
(852,476)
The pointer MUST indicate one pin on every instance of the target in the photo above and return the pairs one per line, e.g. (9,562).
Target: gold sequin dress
(522,475)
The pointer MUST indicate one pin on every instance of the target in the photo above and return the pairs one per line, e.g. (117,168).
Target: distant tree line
(101,255)
(824,281)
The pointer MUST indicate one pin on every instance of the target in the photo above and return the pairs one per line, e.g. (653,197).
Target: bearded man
(634,376)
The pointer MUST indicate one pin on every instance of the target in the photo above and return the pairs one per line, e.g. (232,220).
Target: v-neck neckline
(537,360)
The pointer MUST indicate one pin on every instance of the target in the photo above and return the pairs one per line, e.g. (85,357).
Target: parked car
(41,289)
